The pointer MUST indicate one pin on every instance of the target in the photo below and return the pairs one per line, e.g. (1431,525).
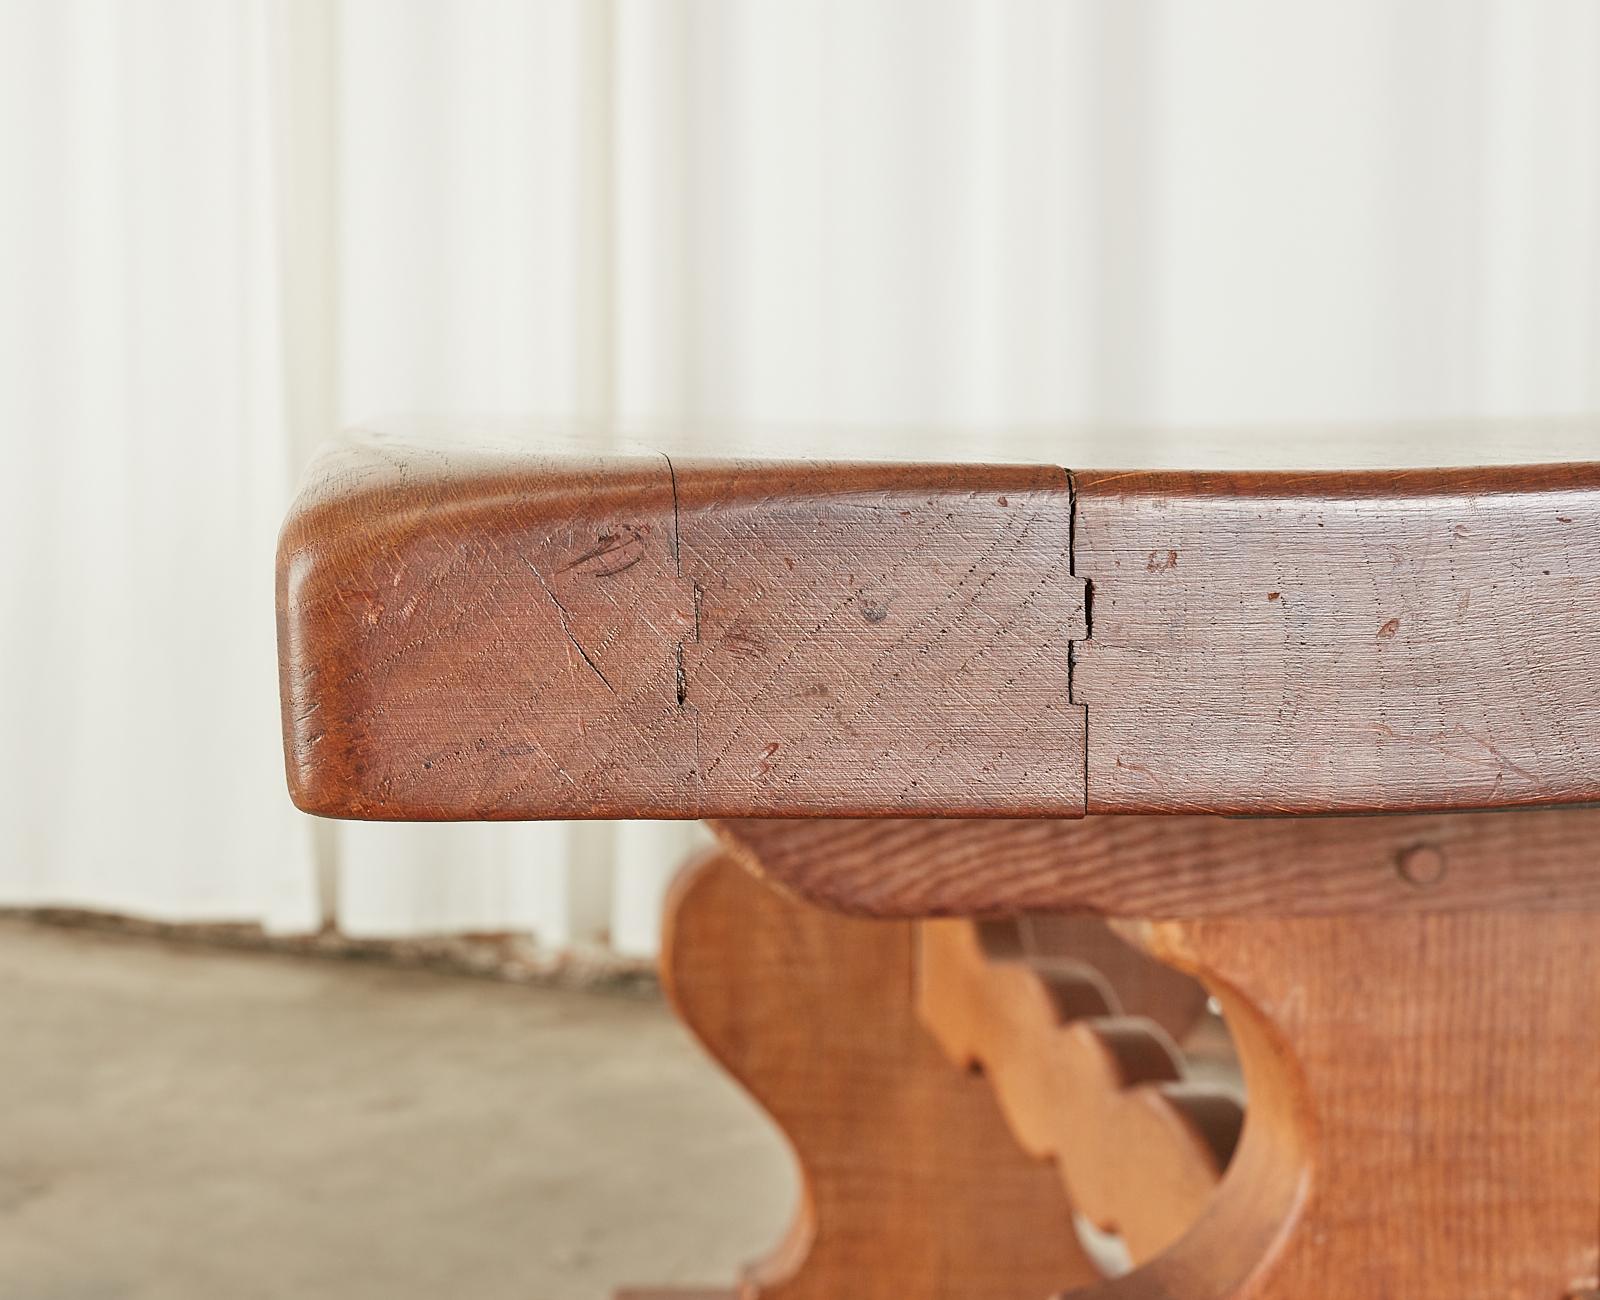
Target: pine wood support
(915,1181)
(1423,1114)
(1100,1094)
(1424,1110)
(1174,867)
(912,1184)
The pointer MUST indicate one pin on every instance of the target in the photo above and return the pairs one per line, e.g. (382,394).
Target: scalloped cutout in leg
(912,1185)
(1424,1117)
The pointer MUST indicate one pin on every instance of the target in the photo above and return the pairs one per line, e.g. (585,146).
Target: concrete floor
(188,1124)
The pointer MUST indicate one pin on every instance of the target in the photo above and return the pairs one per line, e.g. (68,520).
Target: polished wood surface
(1300,642)
(512,635)
(487,635)
(1160,867)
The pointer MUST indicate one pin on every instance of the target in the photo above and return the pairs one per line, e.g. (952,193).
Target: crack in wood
(566,626)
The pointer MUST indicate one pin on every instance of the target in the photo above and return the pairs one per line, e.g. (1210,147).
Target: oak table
(915,691)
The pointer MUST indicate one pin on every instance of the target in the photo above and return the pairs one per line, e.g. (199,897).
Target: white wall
(230,225)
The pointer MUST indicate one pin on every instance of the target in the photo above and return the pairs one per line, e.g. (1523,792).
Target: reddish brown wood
(477,635)
(1184,866)
(497,635)
(1299,642)
(913,1186)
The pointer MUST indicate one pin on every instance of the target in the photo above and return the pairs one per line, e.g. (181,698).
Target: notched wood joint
(1085,621)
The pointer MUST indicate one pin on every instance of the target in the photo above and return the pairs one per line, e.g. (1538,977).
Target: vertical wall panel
(1040,229)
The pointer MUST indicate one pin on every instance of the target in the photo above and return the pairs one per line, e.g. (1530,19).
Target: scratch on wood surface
(616,552)
(1442,744)
(566,626)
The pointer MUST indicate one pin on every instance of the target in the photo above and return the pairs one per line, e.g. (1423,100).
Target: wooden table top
(472,630)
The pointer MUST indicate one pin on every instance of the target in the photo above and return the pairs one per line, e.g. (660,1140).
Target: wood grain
(1098,1093)
(1140,985)
(1160,867)
(816,1015)
(1304,642)
(913,1185)
(1424,1114)
(480,634)
(507,635)
(1424,1084)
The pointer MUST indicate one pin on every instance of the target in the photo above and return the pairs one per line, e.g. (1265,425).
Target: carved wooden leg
(1424,1117)
(1142,986)
(913,1185)
(1098,1092)
(1415,1002)
(1424,1109)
